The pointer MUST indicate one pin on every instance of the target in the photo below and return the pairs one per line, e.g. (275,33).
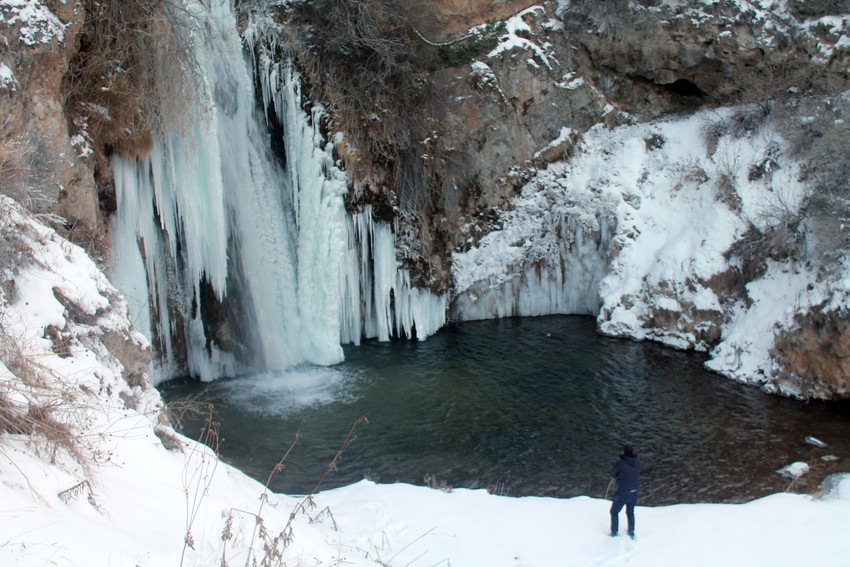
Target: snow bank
(37,24)
(7,78)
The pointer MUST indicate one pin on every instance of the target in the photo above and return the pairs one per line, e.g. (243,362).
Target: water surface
(526,406)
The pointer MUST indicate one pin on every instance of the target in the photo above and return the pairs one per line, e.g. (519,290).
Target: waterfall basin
(522,407)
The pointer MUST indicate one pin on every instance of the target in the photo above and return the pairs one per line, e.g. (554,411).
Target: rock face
(458,16)
(814,356)
(43,166)
(522,100)
(507,109)
(510,101)
(558,69)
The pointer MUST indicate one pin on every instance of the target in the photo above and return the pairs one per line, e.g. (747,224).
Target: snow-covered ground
(135,502)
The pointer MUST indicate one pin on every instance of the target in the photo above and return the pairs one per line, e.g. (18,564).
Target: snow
(565,135)
(37,23)
(748,338)
(131,506)
(794,470)
(668,207)
(81,142)
(7,78)
(485,78)
(135,502)
(831,33)
(516,29)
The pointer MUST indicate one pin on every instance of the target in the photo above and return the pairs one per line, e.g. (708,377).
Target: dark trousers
(629,500)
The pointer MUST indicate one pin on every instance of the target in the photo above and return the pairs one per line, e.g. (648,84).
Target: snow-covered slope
(111,493)
(676,196)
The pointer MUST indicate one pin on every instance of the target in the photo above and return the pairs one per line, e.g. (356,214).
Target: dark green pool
(532,406)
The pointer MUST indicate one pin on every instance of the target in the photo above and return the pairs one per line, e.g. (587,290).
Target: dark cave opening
(684,87)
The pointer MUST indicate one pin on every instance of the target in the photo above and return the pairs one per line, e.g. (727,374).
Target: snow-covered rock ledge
(672,205)
(118,496)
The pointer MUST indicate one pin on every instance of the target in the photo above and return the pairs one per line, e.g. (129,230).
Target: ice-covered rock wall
(549,258)
(662,206)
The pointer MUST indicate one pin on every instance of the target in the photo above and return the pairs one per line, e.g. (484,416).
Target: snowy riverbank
(126,500)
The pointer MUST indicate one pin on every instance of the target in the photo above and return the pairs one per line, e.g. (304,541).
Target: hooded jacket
(626,471)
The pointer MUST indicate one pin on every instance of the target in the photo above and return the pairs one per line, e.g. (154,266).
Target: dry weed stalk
(133,75)
(265,495)
(35,401)
(191,408)
(198,473)
(274,546)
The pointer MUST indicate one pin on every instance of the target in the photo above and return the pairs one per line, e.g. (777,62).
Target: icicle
(391,307)
(565,280)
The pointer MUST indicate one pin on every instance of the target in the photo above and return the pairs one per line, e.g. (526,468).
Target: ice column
(351,284)
(213,188)
(555,272)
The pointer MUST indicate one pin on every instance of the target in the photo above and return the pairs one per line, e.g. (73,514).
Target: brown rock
(455,17)
(814,357)
(46,172)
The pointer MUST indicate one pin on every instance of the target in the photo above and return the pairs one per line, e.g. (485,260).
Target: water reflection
(535,406)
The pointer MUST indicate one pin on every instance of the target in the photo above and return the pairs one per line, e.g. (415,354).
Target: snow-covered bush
(819,129)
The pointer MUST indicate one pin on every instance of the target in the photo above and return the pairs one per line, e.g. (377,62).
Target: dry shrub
(198,472)
(818,130)
(36,402)
(25,167)
(180,412)
(274,543)
(12,252)
(363,60)
(133,73)
(818,134)
(39,409)
(13,419)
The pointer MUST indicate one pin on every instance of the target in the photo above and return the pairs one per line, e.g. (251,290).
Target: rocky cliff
(42,164)
(516,95)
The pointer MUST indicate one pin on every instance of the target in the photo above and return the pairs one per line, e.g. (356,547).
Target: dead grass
(133,75)
(38,403)
(25,167)
(39,409)
(274,543)
(198,473)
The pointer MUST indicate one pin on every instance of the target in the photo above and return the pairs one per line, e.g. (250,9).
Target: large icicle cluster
(378,300)
(216,206)
(184,201)
(371,296)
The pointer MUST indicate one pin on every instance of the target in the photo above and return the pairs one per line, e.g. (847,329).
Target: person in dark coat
(626,473)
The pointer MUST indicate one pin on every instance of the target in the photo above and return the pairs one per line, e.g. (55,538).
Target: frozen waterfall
(212,216)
